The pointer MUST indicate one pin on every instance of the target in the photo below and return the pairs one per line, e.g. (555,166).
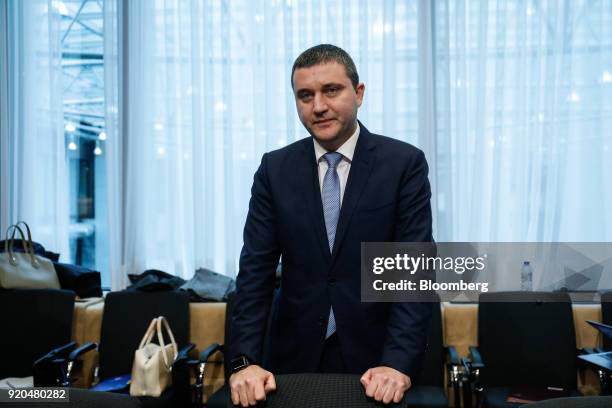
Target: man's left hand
(385,384)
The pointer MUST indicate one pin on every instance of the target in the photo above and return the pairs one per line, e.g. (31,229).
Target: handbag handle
(35,262)
(162,320)
(148,336)
(8,247)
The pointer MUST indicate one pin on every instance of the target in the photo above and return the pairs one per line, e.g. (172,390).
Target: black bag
(85,282)
(153,280)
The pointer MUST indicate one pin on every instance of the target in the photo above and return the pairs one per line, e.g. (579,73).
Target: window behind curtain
(82,50)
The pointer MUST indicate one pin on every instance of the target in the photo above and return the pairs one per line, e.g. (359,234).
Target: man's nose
(320,105)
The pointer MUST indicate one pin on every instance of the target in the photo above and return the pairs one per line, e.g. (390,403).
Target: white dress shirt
(347,150)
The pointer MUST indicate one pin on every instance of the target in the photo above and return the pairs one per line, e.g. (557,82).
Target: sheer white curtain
(510,100)
(34,174)
(523,118)
(114,115)
(208,92)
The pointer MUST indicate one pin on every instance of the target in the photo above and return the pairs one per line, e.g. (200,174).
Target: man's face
(327,103)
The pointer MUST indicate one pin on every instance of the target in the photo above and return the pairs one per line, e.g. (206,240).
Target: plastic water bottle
(526,277)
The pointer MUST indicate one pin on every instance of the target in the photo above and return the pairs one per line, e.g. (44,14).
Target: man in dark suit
(314,202)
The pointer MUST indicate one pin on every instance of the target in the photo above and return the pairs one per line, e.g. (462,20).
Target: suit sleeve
(408,323)
(258,262)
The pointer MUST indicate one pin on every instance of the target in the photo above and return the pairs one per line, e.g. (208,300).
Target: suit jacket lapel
(308,177)
(361,167)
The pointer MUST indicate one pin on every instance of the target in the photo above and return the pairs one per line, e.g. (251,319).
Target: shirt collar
(347,150)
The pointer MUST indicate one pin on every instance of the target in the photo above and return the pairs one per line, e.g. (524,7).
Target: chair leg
(467,395)
(457,395)
(459,382)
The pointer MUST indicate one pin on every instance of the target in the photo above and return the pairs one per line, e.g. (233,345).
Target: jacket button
(331,281)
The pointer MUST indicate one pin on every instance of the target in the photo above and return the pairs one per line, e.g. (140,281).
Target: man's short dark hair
(325,53)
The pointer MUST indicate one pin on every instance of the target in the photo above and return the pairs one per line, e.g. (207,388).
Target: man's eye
(332,91)
(305,97)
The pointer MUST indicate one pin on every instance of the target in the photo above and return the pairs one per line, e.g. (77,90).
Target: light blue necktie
(331,211)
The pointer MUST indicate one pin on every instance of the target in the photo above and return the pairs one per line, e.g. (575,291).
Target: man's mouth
(323,122)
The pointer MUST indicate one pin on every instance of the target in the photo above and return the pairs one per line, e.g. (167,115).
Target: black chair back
(529,342)
(33,322)
(127,315)
(321,390)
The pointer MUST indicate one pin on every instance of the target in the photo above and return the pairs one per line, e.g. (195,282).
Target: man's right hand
(251,385)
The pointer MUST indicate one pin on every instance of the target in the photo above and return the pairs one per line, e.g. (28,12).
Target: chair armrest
(56,355)
(453,355)
(72,358)
(475,358)
(589,350)
(210,350)
(49,369)
(81,350)
(457,374)
(59,352)
(184,352)
(472,366)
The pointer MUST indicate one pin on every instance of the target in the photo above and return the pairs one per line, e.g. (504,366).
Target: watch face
(239,363)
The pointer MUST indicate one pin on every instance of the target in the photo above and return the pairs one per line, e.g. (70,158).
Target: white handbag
(152,367)
(25,270)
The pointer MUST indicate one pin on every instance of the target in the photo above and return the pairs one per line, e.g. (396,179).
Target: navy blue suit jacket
(387,198)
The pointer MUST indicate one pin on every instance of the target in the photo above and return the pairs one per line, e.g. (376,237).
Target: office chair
(126,317)
(36,326)
(528,343)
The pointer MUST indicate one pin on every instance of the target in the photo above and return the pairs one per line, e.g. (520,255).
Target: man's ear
(360,90)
